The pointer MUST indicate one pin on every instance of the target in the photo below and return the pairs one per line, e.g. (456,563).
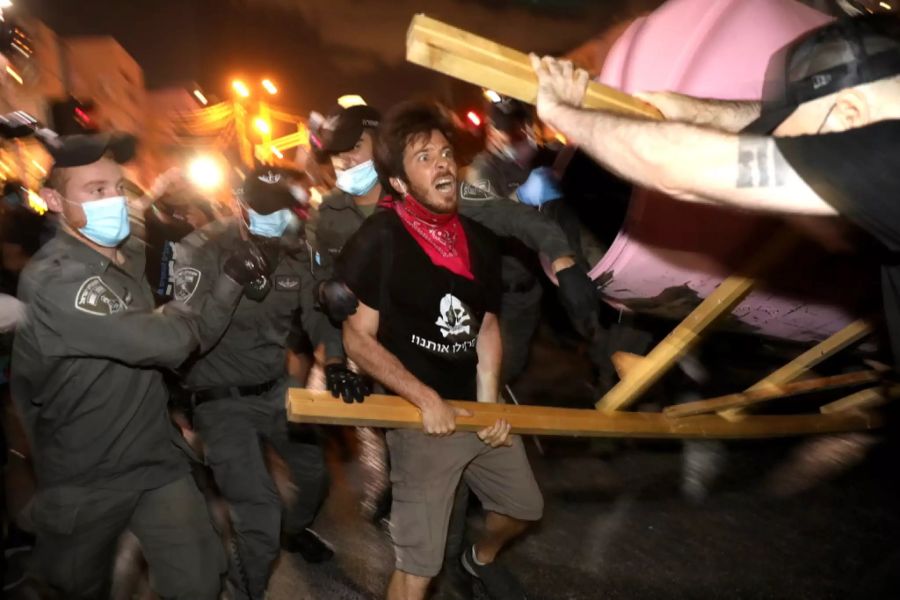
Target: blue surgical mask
(272,225)
(107,221)
(358,180)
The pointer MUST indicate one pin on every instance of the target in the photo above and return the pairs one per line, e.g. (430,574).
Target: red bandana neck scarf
(441,236)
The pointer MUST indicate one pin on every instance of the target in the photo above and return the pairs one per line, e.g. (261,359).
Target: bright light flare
(276,152)
(240,88)
(36,203)
(6,4)
(492,96)
(206,173)
(38,166)
(885,6)
(348,100)
(269,86)
(473,118)
(262,126)
(200,97)
(12,73)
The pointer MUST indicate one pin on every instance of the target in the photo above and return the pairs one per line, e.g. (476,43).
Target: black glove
(337,300)
(345,384)
(579,297)
(248,267)
(17,124)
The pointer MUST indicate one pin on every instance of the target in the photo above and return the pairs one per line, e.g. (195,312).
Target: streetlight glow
(5,4)
(348,100)
(200,97)
(276,152)
(269,86)
(885,5)
(205,172)
(493,96)
(262,126)
(240,88)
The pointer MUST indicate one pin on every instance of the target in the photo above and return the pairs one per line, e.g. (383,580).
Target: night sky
(317,50)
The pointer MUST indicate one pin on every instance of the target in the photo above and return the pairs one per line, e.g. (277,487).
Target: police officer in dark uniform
(239,385)
(85,378)
(514,166)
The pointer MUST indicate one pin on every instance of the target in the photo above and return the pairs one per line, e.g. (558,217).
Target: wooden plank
(686,334)
(825,349)
(862,400)
(749,398)
(480,61)
(308,406)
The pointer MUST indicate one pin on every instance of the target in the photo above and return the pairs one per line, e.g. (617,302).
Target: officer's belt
(224,393)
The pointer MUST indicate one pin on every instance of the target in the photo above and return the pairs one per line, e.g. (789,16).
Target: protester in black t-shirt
(824,141)
(428,282)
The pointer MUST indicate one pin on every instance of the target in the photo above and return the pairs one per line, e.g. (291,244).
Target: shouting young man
(428,283)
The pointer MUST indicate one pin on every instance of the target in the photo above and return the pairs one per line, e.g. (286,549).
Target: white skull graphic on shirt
(454,316)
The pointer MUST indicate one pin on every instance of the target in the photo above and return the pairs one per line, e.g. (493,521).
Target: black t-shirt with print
(858,173)
(429,317)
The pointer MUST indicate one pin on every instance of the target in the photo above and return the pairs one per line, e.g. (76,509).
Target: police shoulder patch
(287,283)
(185,282)
(467,191)
(95,297)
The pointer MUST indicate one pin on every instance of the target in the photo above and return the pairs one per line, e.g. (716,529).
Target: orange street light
(240,88)
(262,126)
(269,86)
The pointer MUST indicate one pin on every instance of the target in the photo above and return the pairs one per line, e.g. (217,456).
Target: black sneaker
(307,544)
(453,583)
(498,582)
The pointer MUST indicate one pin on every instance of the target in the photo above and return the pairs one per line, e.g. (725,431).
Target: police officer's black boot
(307,544)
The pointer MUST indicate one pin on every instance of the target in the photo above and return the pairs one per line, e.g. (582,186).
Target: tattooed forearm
(760,164)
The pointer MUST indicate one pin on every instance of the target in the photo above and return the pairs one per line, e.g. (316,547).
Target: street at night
(450,300)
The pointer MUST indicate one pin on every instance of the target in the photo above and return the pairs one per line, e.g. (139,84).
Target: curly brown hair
(401,126)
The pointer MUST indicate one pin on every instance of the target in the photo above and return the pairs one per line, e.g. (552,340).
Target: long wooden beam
(308,406)
(480,61)
(687,334)
(862,400)
(825,349)
(749,398)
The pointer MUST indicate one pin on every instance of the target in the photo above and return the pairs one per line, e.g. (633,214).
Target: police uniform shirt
(429,317)
(83,367)
(252,349)
(855,171)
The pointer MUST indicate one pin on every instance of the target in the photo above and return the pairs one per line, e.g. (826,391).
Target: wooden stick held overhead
(480,61)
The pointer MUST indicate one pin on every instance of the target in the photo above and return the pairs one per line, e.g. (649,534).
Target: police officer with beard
(239,385)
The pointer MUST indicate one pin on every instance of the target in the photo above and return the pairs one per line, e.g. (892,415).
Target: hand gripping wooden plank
(308,406)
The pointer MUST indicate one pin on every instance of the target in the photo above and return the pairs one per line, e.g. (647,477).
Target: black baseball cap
(509,115)
(343,128)
(84,149)
(842,54)
(266,190)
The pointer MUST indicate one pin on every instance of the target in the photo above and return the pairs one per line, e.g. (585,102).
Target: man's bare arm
(490,354)
(682,160)
(362,345)
(725,115)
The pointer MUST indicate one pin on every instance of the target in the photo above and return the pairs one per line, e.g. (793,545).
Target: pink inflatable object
(669,254)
